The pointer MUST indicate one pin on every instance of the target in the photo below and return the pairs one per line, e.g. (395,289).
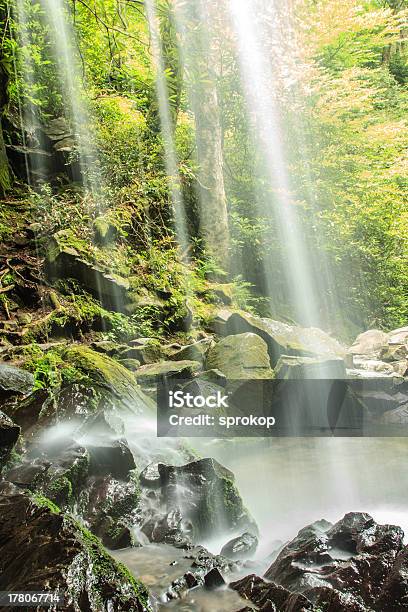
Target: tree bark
(4,164)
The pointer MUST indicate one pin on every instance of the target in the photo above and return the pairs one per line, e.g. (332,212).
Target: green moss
(105,568)
(43,502)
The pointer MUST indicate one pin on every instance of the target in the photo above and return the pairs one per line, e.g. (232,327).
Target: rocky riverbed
(83,474)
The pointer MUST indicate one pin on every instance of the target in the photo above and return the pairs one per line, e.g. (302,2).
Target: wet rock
(150,476)
(295,367)
(110,508)
(281,338)
(34,532)
(168,528)
(9,433)
(270,595)
(241,547)
(243,356)
(58,474)
(214,579)
(149,374)
(191,580)
(370,342)
(26,411)
(15,381)
(204,494)
(111,458)
(345,566)
(202,564)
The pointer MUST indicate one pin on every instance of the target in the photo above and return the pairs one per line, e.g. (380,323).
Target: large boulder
(347,565)
(43,550)
(242,547)
(370,342)
(241,357)
(114,382)
(295,367)
(270,597)
(201,498)
(281,338)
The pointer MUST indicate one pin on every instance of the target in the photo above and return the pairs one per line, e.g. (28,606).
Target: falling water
(63,38)
(167,130)
(257,77)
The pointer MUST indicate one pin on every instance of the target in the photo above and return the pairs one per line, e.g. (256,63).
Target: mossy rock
(281,338)
(34,531)
(241,357)
(70,257)
(153,373)
(108,375)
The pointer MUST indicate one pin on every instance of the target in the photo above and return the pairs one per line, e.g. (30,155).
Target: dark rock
(150,476)
(191,580)
(167,528)
(209,504)
(43,550)
(110,509)
(214,579)
(58,474)
(346,566)
(268,594)
(9,433)
(111,458)
(241,547)
(15,381)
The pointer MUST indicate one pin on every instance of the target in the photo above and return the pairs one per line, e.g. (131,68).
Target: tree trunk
(4,165)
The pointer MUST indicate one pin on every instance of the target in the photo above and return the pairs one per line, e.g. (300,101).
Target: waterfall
(257,75)
(63,38)
(167,128)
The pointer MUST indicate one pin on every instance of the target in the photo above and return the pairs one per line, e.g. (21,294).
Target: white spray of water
(166,122)
(262,107)
(63,39)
